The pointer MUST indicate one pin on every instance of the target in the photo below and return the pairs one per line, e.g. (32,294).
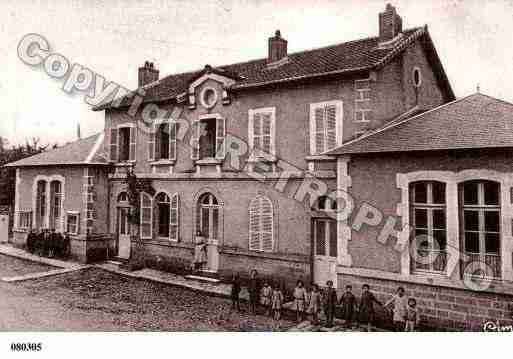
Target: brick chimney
(390,24)
(147,74)
(277,47)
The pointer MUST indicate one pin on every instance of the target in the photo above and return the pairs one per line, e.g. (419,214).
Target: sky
(115,37)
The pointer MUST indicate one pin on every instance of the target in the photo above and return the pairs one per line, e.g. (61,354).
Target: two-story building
(249,155)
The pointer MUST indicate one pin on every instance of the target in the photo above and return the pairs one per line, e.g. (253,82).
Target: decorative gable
(209,96)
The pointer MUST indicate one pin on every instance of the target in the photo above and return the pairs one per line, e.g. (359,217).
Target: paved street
(94,299)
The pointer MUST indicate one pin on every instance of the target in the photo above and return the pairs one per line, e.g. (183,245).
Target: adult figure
(200,251)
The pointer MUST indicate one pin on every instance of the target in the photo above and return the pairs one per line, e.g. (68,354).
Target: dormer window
(417,77)
(208,97)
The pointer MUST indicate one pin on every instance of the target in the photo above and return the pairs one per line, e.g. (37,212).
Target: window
(41,204)
(207,216)
(25,220)
(123,143)
(417,77)
(162,142)
(261,225)
(167,216)
(326,120)
(146,216)
(362,103)
(480,222)
(163,214)
(55,204)
(72,222)
(123,197)
(428,216)
(208,138)
(325,203)
(261,128)
(208,97)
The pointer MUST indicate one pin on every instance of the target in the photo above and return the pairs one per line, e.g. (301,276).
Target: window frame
(154,142)
(141,221)
(71,214)
(219,140)
(339,123)
(21,220)
(362,96)
(252,113)
(259,245)
(132,142)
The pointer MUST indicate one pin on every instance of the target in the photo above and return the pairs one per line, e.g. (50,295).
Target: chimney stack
(277,48)
(390,24)
(147,74)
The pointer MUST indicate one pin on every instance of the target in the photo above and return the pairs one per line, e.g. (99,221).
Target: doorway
(325,251)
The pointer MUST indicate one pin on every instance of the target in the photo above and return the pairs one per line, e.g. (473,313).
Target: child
(277,301)
(348,304)
(399,302)
(254,291)
(265,298)
(235,292)
(366,308)
(330,304)
(314,305)
(299,300)
(412,316)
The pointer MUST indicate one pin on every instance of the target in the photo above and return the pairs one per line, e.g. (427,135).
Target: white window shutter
(220,136)
(174,218)
(266,119)
(151,144)
(254,225)
(251,133)
(146,216)
(319,116)
(266,223)
(113,147)
(195,140)
(331,127)
(133,143)
(172,140)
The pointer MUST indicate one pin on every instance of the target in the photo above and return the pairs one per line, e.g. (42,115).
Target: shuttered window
(261,135)
(220,136)
(162,141)
(326,120)
(146,216)
(195,140)
(261,225)
(133,143)
(123,143)
(174,218)
(113,147)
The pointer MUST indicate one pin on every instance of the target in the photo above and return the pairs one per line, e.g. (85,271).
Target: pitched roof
(475,121)
(81,152)
(348,57)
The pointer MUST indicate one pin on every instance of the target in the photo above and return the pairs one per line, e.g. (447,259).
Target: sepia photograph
(327,169)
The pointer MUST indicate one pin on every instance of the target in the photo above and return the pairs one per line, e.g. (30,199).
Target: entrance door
(209,227)
(4,228)
(123,233)
(325,251)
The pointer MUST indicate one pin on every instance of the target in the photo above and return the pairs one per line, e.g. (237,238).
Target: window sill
(267,159)
(209,161)
(162,162)
(20,230)
(124,164)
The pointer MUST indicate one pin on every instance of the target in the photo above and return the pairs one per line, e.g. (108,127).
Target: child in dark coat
(366,309)
(235,292)
(348,305)
(330,304)
(254,291)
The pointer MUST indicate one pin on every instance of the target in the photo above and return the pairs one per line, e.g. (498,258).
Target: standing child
(235,292)
(412,316)
(314,305)
(366,308)
(277,301)
(299,300)
(330,304)
(399,303)
(348,304)
(265,298)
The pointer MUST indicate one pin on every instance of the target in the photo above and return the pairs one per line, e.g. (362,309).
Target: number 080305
(26,347)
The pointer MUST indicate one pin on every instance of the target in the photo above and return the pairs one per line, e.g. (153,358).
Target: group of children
(312,302)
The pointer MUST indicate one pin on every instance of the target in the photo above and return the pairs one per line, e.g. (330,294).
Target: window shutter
(151,144)
(254,225)
(174,218)
(251,121)
(158,141)
(257,134)
(113,151)
(195,140)
(220,135)
(133,143)
(319,130)
(266,222)
(331,127)
(172,140)
(146,216)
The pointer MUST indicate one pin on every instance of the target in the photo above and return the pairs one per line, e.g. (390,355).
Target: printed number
(26,347)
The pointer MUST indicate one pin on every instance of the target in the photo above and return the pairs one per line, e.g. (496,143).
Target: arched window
(146,216)
(207,217)
(428,218)
(55,205)
(479,203)
(261,223)
(123,197)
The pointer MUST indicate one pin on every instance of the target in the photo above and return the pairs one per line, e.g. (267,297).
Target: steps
(202,278)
